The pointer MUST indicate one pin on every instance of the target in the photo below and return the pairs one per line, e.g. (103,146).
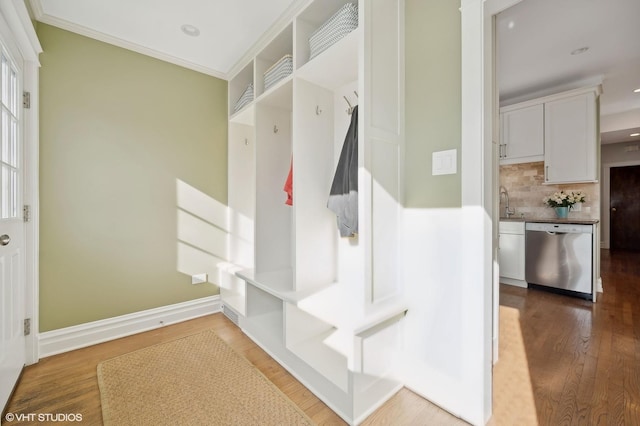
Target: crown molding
(18,20)
(36,8)
(284,20)
(115,41)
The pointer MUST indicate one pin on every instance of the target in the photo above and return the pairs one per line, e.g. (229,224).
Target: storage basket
(247,97)
(278,71)
(339,25)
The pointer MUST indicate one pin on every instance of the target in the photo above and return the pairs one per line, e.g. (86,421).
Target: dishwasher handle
(556,233)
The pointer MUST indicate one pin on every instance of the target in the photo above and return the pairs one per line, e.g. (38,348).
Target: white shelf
(322,70)
(245,115)
(279,95)
(331,364)
(277,283)
(333,306)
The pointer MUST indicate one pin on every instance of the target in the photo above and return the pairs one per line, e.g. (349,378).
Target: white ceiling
(536,38)
(228,28)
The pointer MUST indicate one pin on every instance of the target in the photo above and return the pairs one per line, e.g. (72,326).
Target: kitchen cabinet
(522,134)
(571,139)
(561,129)
(511,254)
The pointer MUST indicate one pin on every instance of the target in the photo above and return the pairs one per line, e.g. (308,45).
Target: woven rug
(196,380)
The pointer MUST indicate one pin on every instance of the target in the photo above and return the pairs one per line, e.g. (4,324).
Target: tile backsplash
(526,188)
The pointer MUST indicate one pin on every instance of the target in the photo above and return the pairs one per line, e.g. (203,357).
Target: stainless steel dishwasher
(559,255)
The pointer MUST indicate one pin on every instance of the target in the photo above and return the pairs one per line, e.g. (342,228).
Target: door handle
(613,209)
(5,239)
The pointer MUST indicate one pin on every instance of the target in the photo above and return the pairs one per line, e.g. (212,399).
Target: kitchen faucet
(507,211)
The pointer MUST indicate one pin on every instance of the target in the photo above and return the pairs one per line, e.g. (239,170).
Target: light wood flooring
(563,361)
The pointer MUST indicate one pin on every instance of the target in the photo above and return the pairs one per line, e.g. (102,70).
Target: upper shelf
(322,69)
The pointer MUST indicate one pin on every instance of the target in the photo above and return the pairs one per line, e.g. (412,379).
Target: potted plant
(562,202)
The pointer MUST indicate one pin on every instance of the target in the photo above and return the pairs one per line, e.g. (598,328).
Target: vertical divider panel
(241,202)
(383,132)
(315,236)
(303,29)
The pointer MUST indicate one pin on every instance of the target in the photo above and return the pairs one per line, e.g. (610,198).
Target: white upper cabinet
(522,134)
(561,129)
(571,139)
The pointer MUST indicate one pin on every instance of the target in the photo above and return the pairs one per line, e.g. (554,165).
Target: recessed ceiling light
(637,90)
(190,30)
(580,50)
(634,134)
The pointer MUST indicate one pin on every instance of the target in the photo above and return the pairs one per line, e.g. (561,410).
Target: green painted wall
(119,132)
(433,100)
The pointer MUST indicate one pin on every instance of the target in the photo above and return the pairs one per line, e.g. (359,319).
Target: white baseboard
(83,335)
(514,282)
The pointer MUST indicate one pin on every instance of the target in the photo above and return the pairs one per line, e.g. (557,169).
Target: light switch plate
(444,162)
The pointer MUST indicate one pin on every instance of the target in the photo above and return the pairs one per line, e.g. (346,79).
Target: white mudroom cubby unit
(329,309)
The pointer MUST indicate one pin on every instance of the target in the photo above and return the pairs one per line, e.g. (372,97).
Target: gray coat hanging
(343,197)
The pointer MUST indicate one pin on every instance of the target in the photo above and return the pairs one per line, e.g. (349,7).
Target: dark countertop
(552,220)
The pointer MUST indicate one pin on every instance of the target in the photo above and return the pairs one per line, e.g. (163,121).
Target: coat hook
(275,129)
(318,110)
(350,109)
(356,93)
(246,141)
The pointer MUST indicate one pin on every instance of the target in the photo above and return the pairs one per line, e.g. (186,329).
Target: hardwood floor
(562,361)
(582,359)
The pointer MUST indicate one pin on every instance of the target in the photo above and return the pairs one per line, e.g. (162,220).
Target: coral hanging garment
(343,197)
(288,186)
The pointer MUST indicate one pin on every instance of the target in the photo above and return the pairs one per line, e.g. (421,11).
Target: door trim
(31,150)
(605,214)
(22,34)
(478,177)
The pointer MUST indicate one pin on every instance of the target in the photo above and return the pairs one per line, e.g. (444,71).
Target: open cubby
(307,337)
(237,86)
(309,20)
(274,218)
(264,318)
(280,46)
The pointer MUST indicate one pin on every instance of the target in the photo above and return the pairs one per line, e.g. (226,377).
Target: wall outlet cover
(199,278)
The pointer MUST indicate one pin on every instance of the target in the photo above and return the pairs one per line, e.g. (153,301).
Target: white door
(12,285)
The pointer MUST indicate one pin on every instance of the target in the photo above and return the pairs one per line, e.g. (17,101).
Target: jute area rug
(196,380)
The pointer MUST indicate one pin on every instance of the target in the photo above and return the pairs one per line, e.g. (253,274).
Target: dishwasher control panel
(566,228)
